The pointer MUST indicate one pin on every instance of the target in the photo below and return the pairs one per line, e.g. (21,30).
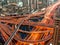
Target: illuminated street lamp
(30,44)
(20,4)
(51,44)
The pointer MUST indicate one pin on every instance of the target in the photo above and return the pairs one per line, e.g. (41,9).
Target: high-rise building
(57,27)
